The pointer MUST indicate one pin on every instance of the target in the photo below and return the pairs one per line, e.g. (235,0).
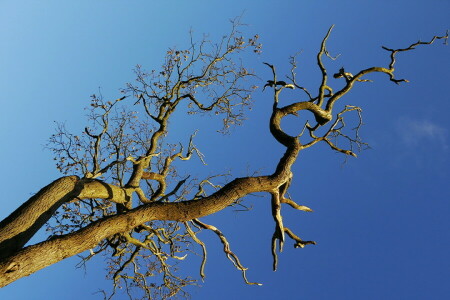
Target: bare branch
(123,154)
(293,62)
(299,242)
(226,248)
(413,46)
(198,241)
(323,86)
(295,205)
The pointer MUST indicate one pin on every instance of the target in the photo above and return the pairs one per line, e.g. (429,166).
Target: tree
(128,199)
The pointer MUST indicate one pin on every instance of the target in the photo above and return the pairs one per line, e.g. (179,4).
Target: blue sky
(381,220)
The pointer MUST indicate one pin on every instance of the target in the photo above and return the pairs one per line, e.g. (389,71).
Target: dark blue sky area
(381,221)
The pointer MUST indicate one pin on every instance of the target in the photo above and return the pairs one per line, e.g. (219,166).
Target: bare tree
(127,199)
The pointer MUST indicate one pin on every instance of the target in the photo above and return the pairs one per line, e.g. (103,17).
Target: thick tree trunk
(18,228)
(25,221)
(36,257)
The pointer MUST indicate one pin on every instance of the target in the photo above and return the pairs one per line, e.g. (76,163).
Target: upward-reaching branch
(128,155)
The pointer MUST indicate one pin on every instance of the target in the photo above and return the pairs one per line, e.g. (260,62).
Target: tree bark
(18,228)
(31,259)
(16,263)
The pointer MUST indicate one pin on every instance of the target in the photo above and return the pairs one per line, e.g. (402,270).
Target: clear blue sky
(381,221)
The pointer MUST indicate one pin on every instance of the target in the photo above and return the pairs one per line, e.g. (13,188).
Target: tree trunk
(21,263)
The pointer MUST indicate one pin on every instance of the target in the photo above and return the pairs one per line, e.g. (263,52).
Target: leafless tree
(125,197)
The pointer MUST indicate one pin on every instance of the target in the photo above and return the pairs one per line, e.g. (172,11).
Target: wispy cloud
(415,132)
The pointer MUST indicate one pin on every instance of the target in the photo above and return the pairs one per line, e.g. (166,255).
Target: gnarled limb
(124,159)
(226,248)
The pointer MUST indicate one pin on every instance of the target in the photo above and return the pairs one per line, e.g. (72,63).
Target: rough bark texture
(17,229)
(17,261)
(30,259)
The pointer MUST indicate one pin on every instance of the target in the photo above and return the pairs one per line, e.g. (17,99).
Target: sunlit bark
(119,213)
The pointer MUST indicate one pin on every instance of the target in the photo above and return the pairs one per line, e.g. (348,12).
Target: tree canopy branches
(125,197)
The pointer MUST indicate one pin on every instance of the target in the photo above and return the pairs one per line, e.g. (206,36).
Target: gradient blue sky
(381,221)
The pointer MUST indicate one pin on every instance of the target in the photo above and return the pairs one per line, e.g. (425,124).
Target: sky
(380,221)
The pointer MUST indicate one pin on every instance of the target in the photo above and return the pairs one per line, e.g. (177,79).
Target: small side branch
(323,86)
(276,214)
(294,205)
(336,131)
(198,241)
(226,248)
(299,242)
(293,62)
(413,46)
(278,198)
